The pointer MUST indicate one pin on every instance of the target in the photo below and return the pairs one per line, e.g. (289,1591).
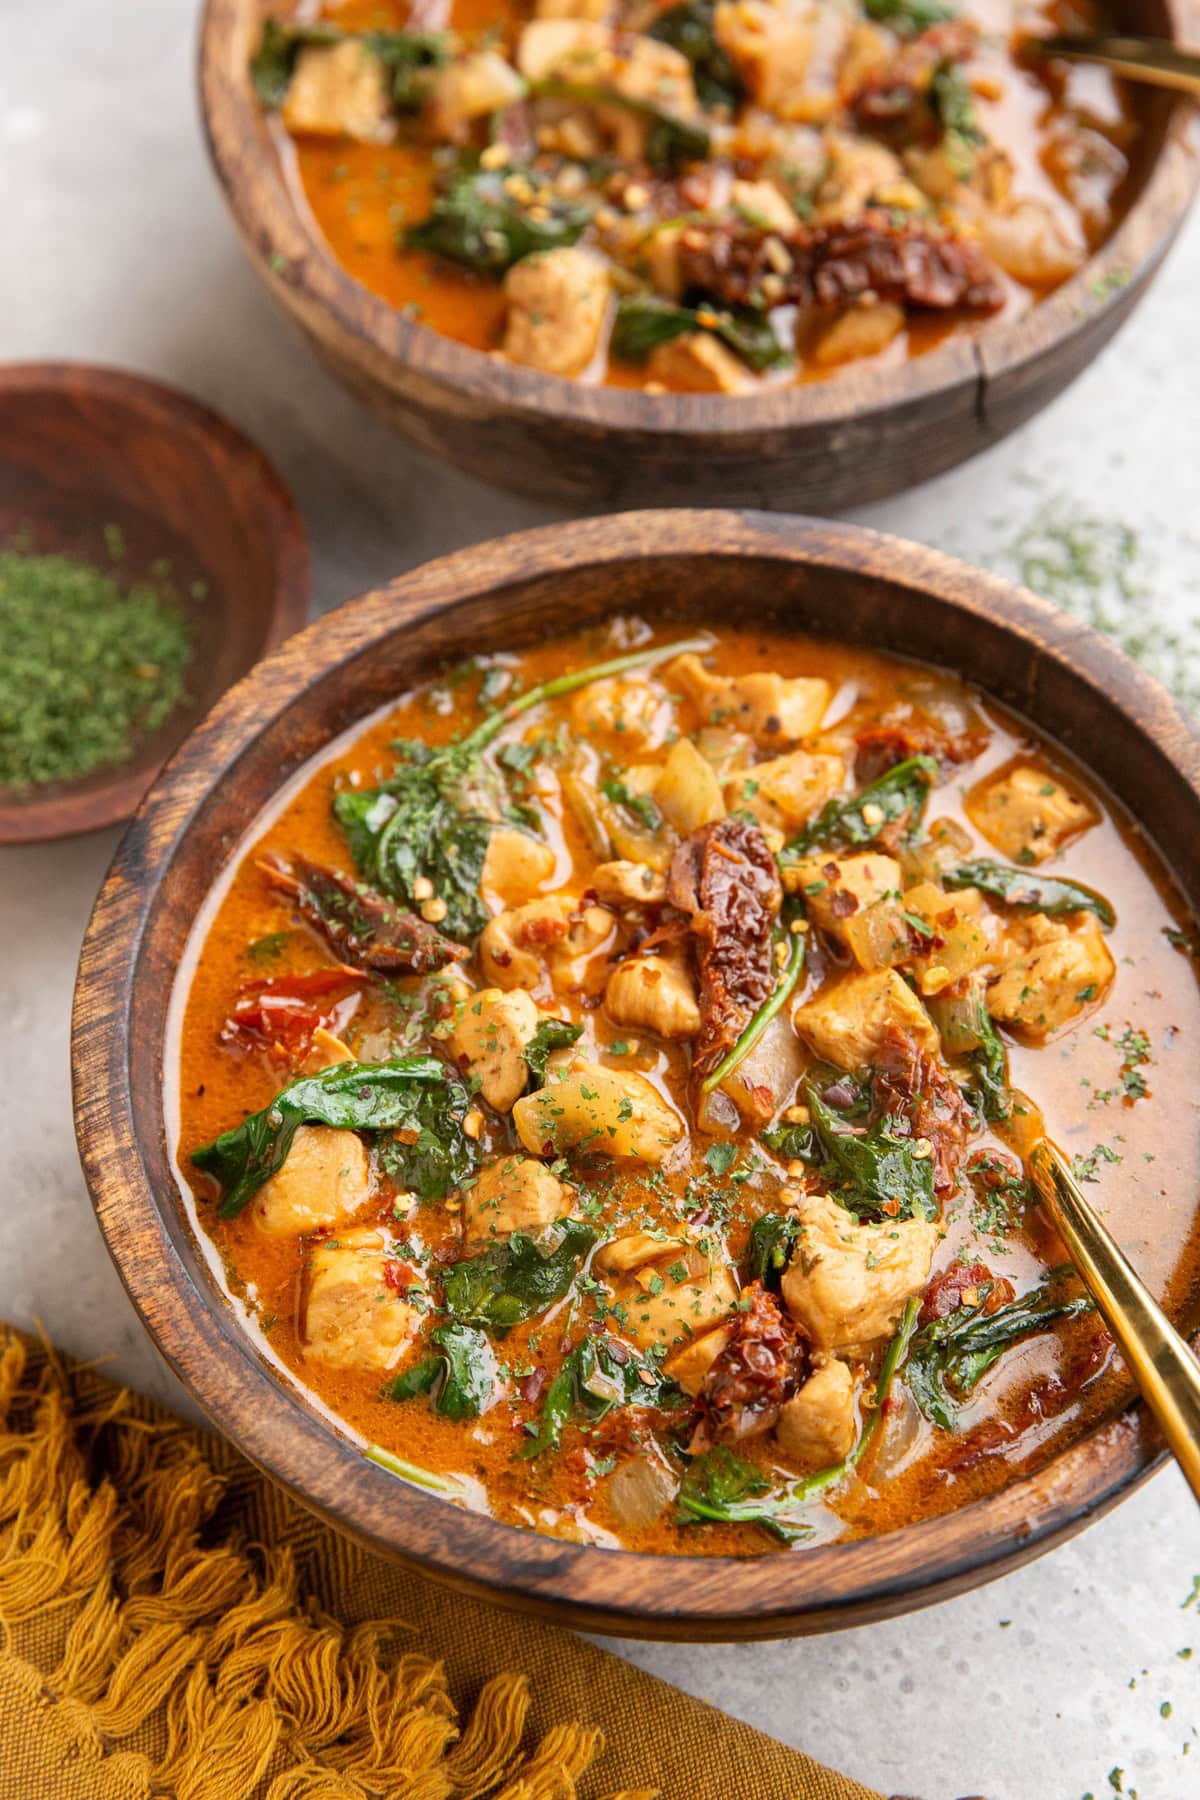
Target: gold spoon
(1152,60)
(1161,1362)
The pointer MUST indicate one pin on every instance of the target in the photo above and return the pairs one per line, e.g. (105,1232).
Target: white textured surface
(115,248)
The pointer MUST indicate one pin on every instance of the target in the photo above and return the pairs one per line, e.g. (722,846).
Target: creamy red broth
(860,188)
(692,776)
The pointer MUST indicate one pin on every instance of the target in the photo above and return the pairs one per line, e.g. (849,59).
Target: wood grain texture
(83,449)
(819,447)
(793,574)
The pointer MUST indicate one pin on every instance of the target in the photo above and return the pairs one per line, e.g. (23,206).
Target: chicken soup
(607,1079)
(696,196)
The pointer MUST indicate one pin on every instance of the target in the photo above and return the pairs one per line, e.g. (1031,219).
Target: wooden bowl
(83,449)
(835,580)
(821,447)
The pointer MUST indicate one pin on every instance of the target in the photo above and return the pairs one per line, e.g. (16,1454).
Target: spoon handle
(1153,60)
(1160,1360)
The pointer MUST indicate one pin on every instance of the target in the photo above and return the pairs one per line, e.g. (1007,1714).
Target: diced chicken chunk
(489,1039)
(325,1179)
(859,171)
(1030,244)
(514,868)
(964,934)
(635,709)
(690,1364)
(847,1283)
(635,883)
(471,88)
(339,90)
(861,331)
(837,889)
(771,48)
(671,1291)
(513,1193)
(556,938)
(549,42)
(817,1427)
(1026,814)
(655,993)
(572,9)
(1057,971)
(353,1319)
(762,204)
(608,1112)
(557,310)
(698,363)
(786,792)
(847,1022)
(775,709)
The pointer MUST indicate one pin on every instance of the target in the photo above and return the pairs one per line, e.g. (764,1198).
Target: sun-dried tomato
(279,1014)
(758,1371)
(911,1084)
(726,879)
(969,1283)
(880,747)
(362,925)
(834,265)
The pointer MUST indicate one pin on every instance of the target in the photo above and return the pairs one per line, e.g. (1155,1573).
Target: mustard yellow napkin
(172,1627)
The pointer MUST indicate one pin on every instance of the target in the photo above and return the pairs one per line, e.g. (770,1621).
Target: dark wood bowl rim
(72,809)
(288,248)
(600,1589)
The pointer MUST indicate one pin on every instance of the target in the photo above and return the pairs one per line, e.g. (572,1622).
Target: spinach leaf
(908,15)
(877,1175)
(413,826)
(408,56)
(690,29)
(640,805)
(670,140)
(989,1070)
(1032,893)
(643,321)
(953,104)
(514,1281)
(598,1375)
(772,1240)
(460,1374)
(951,1356)
(721,1488)
(412,1091)
(551,1034)
(898,795)
(479,224)
(795,1143)
(442,1157)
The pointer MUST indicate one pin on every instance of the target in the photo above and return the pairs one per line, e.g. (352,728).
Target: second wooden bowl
(844,583)
(86,452)
(819,447)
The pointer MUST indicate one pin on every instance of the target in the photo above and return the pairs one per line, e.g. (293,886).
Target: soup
(607,1078)
(699,197)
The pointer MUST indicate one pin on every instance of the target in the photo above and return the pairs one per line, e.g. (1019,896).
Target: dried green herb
(87,667)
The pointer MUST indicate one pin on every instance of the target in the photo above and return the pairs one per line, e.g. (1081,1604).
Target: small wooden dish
(685,567)
(819,447)
(84,450)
